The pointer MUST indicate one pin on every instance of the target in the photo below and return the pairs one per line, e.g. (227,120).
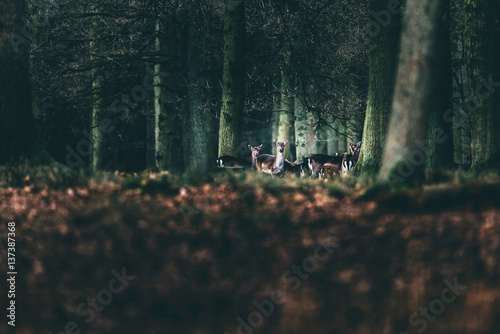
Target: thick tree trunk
(483,68)
(440,133)
(300,113)
(311,136)
(457,140)
(275,120)
(169,132)
(383,58)
(19,141)
(233,88)
(151,134)
(195,121)
(404,156)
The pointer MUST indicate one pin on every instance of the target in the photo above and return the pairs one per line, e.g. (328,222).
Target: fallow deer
(328,171)
(304,168)
(348,163)
(316,161)
(255,153)
(292,168)
(230,161)
(350,160)
(270,164)
(355,149)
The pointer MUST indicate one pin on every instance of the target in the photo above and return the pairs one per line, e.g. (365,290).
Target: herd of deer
(317,165)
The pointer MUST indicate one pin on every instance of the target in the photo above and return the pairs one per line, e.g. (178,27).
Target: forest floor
(72,227)
(27,193)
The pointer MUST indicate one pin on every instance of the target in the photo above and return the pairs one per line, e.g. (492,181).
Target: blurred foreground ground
(247,255)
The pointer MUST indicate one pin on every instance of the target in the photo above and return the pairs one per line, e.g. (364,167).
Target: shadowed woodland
(232,166)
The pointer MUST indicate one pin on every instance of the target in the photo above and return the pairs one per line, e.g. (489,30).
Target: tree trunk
(275,119)
(342,140)
(300,113)
(483,69)
(233,89)
(404,156)
(159,106)
(151,134)
(195,139)
(440,133)
(97,116)
(383,60)
(169,132)
(286,112)
(19,141)
(96,158)
(311,136)
(321,146)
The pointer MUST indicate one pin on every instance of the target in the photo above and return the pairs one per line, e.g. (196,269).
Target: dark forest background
(112,116)
(101,57)
(153,71)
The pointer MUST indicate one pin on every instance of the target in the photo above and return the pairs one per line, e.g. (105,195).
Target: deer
(355,149)
(270,164)
(350,160)
(348,163)
(230,161)
(304,168)
(292,168)
(328,171)
(255,153)
(316,161)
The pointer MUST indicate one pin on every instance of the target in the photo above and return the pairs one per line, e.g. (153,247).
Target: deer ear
(274,142)
(286,141)
(259,147)
(250,146)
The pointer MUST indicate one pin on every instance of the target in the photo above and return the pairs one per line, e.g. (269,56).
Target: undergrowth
(458,184)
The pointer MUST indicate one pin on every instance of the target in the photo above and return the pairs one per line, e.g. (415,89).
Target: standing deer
(348,163)
(270,164)
(355,149)
(255,153)
(350,160)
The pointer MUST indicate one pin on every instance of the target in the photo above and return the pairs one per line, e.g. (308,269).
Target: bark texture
(169,132)
(404,156)
(286,112)
(18,137)
(483,69)
(233,89)
(300,113)
(385,32)
(440,133)
(195,114)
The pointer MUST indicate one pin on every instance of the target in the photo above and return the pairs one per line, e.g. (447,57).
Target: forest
(250,167)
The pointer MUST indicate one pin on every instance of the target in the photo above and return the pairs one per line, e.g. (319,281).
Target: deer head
(255,150)
(280,146)
(355,149)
